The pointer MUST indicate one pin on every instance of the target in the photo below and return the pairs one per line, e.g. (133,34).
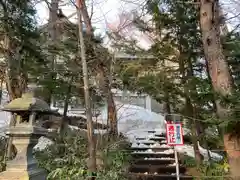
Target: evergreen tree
(21,47)
(231,46)
(20,50)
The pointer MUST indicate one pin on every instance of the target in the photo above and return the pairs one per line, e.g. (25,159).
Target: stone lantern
(25,132)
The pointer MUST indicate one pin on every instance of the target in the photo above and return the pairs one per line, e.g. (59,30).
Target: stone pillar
(24,166)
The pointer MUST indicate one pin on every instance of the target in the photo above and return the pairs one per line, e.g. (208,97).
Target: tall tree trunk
(190,112)
(220,74)
(104,85)
(52,33)
(189,107)
(112,114)
(219,129)
(16,85)
(1,91)
(103,70)
(166,106)
(83,8)
(197,127)
(16,80)
(90,129)
(112,111)
(65,122)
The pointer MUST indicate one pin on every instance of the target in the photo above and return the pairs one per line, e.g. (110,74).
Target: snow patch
(161,158)
(189,151)
(43,142)
(132,118)
(150,151)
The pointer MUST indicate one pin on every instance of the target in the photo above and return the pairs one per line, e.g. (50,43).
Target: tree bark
(220,74)
(102,74)
(16,80)
(167,106)
(112,115)
(86,18)
(65,122)
(52,33)
(90,129)
(189,110)
(104,85)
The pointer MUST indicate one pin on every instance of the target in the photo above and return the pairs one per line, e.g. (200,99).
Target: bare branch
(47,3)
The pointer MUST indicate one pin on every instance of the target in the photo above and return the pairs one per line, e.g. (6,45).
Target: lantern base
(36,174)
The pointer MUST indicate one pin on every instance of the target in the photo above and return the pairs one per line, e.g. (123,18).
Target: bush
(208,170)
(3,141)
(67,158)
(189,161)
(215,170)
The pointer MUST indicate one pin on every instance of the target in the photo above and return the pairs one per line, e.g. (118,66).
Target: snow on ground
(130,117)
(189,151)
(133,118)
(4,120)
(4,116)
(43,142)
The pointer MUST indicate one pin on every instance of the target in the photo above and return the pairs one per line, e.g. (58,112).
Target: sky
(104,11)
(107,12)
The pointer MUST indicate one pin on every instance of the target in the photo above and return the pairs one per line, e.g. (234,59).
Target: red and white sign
(174,134)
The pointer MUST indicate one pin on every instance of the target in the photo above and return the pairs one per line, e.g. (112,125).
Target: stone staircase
(153,159)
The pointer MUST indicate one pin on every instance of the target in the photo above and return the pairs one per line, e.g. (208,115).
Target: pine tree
(18,27)
(231,46)
(19,34)
(52,39)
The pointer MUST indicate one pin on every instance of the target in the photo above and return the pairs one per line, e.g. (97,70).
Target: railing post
(176,155)
(176,162)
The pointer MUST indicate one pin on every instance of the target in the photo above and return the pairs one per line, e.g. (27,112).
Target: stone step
(156,132)
(159,169)
(152,155)
(154,162)
(155,149)
(151,131)
(141,138)
(158,139)
(139,176)
(160,135)
(150,137)
(149,142)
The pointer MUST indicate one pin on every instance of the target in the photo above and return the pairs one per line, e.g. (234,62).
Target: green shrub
(3,141)
(67,158)
(208,170)
(214,170)
(189,161)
